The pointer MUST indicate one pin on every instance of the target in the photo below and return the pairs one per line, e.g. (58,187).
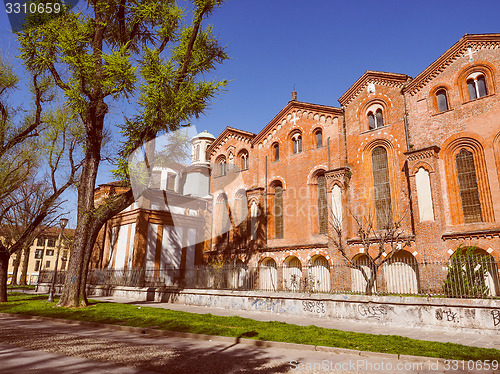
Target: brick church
(426,149)
(421,151)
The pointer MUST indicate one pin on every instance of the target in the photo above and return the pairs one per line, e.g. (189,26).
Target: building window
(442,100)
(51,242)
(37,265)
(476,85)
(222,167)
(375,120)
(40,241)
(297,143)
(47,264)
(382,187)
(38,253)
(197,153)
(278,211)
(244,160)
(155,182)
(322,204)
(49,252)
(276,148)
(171,181)
(319,139)
(467,184)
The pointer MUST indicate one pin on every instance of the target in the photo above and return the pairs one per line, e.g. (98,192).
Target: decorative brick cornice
(230,133)
(320,112)
(294,247)
(473,234)
(458,50)
(423,153)
(379,78)
(341,175)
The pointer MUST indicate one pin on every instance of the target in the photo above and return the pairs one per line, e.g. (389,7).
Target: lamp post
(62,223)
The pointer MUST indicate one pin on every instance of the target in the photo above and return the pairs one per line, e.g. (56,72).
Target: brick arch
(322,253)
(434,90)
(311,177)
(366,104)
(289,256)
(422,164)
(474,144)
(274,180)
(483,67)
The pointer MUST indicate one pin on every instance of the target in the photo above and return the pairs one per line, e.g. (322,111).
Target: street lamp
(62,222)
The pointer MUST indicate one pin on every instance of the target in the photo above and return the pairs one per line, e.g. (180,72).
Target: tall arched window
(297,143)
(278,211)
(322,204)
(382,187)
(467,184)
(241,199)
(222,167)
(442,100)
(319,139)
(244,160)
(224,226)
(276,148)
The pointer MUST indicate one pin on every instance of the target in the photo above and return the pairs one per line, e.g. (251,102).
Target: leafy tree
(467,273)
(147,54)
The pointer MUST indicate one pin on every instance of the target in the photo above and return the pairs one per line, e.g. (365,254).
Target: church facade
(422,151)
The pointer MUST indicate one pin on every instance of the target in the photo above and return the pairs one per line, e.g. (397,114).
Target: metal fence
(474,277)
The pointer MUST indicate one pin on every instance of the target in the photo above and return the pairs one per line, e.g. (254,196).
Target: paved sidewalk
(487,340)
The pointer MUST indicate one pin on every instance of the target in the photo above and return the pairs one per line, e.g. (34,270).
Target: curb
(227,339)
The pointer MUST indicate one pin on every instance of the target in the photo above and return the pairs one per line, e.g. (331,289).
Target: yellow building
(42,255)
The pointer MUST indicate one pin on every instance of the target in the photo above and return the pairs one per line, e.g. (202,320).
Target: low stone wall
(437,313)
(440,313)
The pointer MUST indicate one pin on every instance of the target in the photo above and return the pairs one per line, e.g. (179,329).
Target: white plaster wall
(424,195)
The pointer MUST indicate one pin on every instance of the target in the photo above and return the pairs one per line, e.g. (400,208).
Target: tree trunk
(4,264)
(24,267)
(15,269)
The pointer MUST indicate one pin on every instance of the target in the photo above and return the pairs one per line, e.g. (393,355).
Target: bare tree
(380,240)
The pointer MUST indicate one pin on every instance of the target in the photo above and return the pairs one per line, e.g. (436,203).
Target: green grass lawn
(18,287)
(164,319)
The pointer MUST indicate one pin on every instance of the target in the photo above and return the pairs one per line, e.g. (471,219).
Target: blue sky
(320,46)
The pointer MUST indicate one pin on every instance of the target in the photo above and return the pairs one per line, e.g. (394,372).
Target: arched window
(222,209)
(276,148)
(375,120)
(222,167)
(371,121)
(467,184)
(241,199)
(322,204)
(244,160)
(278,211)
(382,187)
(442,100)
(476,85)
(297,143)
(319,139)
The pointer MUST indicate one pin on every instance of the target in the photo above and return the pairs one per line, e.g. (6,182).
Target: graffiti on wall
(447,315)
(313,306)
(372,311)
(496,317)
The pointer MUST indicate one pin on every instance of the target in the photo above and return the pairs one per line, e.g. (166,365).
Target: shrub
(467,274)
